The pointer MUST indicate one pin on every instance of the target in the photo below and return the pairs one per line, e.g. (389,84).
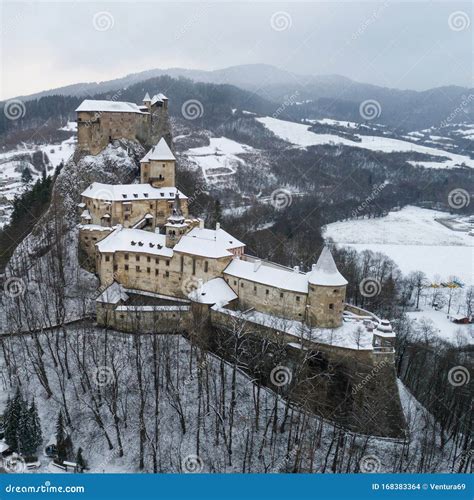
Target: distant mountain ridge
(324,96)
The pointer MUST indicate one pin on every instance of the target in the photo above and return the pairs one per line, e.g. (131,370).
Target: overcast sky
(415,45)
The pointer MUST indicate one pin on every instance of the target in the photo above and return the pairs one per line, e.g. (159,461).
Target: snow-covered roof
(325,272)
(158,98)
(219,235)
(160,151)
(147,97)
(86,215)
(268,274)
(3,446)
(92,106)
(130,192)
(201,247)
(135,240)
(113,294)
(215,291)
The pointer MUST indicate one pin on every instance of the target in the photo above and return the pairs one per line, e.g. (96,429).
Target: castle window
(167,263)
(298,298)
(137,258)
(95,239)
(241,285)
(115,267)
(255,289)
(281,295)
(331,306)
(335,291)
(137,269)
(126,267)
(167,274)
(206,266)
(235,283)
(156,272)
(126,256)
(194,266)
(148,259)
(86,237)
(182,263)
(267,291)
(148,270)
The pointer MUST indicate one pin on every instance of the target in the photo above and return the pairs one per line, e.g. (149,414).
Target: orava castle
(159,267)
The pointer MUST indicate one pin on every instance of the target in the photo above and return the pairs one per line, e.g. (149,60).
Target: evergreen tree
(13,420)
(26,176)
(60,438)
(81,463)
(35,426)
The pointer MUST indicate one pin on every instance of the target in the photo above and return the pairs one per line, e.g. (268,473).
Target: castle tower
(176,225)
(147,101)
(326,294)
(158,166)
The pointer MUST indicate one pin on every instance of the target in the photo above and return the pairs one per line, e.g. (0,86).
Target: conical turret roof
(147,97)
(325,272)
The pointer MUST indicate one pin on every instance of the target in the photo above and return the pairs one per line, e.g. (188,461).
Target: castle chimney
(218,226)
(313,267)
(256,265)
(201,223)
(296,269)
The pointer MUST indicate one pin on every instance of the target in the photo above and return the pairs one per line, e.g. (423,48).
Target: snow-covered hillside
(414,239)
(299,135)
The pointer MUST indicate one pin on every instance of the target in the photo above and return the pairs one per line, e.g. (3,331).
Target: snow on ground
(446,329)
(219,158)
(12,168)
(414,240)
(300,135)
(70,127)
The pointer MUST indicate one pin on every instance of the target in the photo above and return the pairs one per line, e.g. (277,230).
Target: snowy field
(11,169)
(414,240)
(219,159)
(300,135)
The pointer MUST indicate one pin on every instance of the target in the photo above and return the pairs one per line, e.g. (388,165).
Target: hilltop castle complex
(142,242)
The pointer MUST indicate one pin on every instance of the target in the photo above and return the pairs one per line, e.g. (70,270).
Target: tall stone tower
(176,225)
(158,166)
(327,293)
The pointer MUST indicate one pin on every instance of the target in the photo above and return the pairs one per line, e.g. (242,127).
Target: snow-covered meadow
(299,135)
(414,239)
